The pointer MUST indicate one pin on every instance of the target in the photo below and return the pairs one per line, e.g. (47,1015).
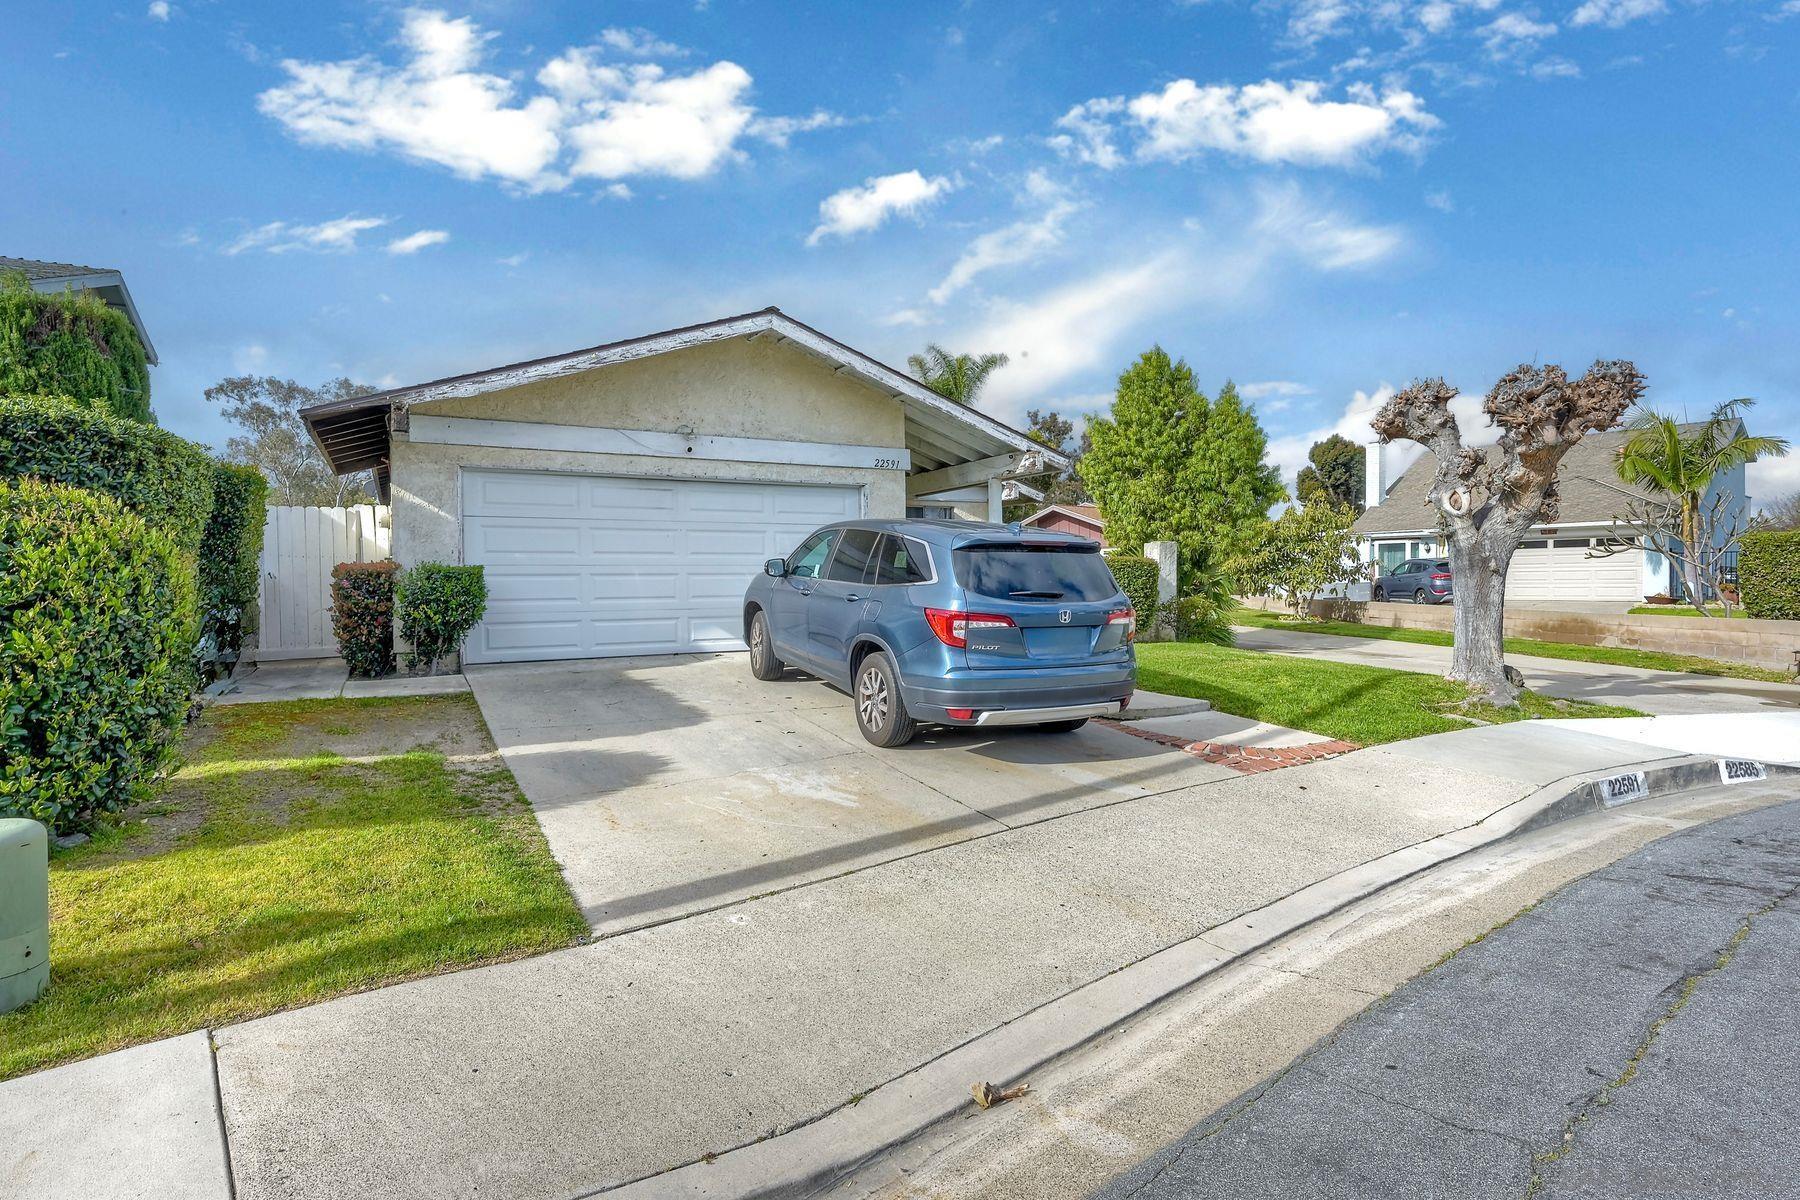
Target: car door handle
(852,597)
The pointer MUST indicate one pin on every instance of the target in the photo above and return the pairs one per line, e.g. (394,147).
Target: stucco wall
(727,389)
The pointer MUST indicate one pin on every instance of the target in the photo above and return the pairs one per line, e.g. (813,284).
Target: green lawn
(1651,660)
(304,850)
(1680,610)
(1359,704)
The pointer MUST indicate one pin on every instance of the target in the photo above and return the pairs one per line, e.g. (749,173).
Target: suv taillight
(1126,617)
(952,627)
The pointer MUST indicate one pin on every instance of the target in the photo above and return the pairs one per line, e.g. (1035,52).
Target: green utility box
(24,912)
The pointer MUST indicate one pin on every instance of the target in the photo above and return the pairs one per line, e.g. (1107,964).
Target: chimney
(1375,480)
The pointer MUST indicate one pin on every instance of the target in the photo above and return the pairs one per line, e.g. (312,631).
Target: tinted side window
(1440,566)
(855,550)
(812,554)
(900,560)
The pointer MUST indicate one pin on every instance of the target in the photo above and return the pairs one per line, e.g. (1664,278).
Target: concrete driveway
(673,785)
(1659,693)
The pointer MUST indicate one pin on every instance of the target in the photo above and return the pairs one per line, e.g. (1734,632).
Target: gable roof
(107,283)
(353,433)
(1089,513)
(1588,483)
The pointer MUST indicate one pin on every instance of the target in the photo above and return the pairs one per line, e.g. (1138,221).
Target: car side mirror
(775,568)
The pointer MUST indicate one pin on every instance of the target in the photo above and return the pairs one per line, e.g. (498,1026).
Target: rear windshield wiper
(1039,595)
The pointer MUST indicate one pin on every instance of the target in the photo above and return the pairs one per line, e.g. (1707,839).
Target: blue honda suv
(947,622)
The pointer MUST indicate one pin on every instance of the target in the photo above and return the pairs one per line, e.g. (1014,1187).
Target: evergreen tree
(1335,476)
(1167,464)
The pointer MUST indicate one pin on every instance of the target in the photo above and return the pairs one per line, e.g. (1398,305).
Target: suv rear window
(1011,571)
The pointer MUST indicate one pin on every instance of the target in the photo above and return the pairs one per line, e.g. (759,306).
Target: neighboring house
(1082,520)
(1554,563)
(108,284)
(622,497)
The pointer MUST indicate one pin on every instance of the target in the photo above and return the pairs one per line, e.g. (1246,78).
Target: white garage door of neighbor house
(590,566)
(1562,570)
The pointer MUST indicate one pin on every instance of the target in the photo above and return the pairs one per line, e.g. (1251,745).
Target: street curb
(812,1157)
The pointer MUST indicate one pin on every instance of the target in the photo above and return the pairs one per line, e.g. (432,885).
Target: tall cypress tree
(1167,464)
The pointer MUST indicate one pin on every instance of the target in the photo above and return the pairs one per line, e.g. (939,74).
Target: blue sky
(1315,198)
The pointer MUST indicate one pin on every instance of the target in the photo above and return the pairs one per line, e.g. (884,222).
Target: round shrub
(97,620)
(1136,575)
(437,605)
(362,616)
(166,480)
(1769,574)
(231,563)
(72,343)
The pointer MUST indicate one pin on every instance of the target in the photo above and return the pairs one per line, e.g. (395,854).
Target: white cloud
(1769,479)
(247,360)
(1081,326)
(1289,453)
(1270,122)
(1089,132)
(1273,395)
(1441,200)
(279,237)
(1324,239)
(590,117)
(1506,32)
(914,317)
(860,209)
(639,42)
(158,11)
(412,243)
(1554,67)
(1021,242)
(1616,13)
(514,260)
(777,130)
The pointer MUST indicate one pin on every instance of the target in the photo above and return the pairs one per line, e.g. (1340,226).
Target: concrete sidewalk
(1659,693)
(580,1070)
(327,679)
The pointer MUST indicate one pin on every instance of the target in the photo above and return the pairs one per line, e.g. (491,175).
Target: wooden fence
(300,546)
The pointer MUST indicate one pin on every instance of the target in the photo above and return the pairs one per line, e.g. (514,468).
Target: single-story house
(1556,562)
(621,497)
(1082,520)
(104,282)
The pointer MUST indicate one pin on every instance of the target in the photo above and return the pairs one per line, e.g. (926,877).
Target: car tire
(1419,597)
(764,664)
(880,712)
(1380,595)
(1063,726)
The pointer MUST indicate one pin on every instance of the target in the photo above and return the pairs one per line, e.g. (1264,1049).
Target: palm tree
(956,376)
(1678,466)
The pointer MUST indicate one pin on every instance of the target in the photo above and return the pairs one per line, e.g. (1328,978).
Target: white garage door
(587,566)
(1562,570)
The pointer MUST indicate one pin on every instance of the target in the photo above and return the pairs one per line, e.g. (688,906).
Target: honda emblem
(1064,616)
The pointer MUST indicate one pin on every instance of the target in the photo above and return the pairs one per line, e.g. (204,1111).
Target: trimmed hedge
(71,343)
(231,562)
(1136,575)
(97,619)
(164,479)
(1769,574)
(362,616)
(437,605)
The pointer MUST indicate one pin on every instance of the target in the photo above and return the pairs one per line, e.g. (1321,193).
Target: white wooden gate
(300,546)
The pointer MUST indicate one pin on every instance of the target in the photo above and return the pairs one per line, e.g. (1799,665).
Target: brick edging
(1246,760)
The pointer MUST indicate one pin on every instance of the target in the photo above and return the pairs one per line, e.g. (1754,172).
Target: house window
(1389,555)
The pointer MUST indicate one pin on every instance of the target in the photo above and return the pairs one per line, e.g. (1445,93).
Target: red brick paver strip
(1246,760)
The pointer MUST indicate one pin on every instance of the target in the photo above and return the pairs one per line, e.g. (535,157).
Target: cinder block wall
(1768,644)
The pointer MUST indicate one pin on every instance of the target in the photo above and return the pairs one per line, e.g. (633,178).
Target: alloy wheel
(872,698)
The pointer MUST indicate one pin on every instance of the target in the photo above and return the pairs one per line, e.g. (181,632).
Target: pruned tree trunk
(1487,501)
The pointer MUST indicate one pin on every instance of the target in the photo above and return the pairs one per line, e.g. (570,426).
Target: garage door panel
(589,566)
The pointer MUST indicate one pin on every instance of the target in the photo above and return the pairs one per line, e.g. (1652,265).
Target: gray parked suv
(1421,580)
(947,622)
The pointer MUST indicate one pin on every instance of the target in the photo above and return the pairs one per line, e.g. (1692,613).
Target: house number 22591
(889,464)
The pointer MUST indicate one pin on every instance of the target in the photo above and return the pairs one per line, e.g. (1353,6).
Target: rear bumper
(1019,697)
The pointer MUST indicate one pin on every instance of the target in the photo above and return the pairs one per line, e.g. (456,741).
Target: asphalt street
(1635,1034)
